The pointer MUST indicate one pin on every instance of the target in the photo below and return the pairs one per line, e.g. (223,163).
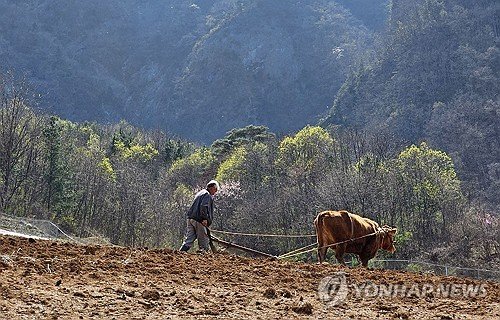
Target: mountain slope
(166,63)
(435,78)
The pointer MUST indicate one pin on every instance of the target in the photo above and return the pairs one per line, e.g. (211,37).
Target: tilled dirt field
(60,280)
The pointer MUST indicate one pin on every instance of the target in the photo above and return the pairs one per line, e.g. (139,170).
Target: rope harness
(265,235)
(301,250)
(296,252)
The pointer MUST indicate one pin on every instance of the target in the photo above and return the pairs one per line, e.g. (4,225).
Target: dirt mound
(61,280)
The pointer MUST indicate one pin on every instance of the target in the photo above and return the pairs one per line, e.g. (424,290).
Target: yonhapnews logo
(335,290)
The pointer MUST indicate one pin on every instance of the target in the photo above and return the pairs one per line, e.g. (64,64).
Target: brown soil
(60,280)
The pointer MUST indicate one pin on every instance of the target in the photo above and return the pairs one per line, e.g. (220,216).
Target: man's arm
(206,208)
(204,214)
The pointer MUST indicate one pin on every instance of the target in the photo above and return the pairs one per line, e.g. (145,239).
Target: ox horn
(392,230)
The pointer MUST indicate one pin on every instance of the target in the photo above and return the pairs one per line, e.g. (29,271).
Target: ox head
(388,238)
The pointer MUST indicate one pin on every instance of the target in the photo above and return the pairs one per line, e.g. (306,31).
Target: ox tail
(319,225)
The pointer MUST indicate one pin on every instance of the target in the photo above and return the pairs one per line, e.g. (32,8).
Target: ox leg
(364,259)
(321,253)
(339,253)
(364,262)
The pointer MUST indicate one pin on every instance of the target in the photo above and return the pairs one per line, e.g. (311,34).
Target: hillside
(435,78)
(176,65)
(404,70)
(49,280)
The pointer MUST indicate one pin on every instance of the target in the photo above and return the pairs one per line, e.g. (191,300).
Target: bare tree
(19,142)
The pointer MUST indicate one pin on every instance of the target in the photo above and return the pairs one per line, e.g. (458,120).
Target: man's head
(212,187)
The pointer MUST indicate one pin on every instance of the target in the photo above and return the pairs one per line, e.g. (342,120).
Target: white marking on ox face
(388,240)
(392,249)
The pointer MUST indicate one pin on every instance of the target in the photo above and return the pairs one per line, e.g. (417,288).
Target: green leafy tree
(232,169)
(239,137)
(431,190)
(175,150)
(194,170)
(60,195)
(304,158)
(302,161)
(124,137)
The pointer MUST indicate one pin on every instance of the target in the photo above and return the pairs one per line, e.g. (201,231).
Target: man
(199,217)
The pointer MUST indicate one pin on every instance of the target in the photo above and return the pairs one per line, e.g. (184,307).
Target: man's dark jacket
(202,208)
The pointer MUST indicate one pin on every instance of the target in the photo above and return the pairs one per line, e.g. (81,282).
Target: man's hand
(205,223)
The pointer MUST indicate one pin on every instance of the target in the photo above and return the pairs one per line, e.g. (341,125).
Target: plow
(237,246)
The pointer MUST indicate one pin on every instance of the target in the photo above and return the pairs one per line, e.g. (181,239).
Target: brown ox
(356,235)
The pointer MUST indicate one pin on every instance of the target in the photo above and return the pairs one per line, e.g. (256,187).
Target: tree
(19,147)
(239,137)
(302,161)
(194,170)
(59,147)
(431,191)
(304,158)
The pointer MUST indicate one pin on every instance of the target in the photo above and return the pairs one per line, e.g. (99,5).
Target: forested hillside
(133,187)
(178,65)
(435,78)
